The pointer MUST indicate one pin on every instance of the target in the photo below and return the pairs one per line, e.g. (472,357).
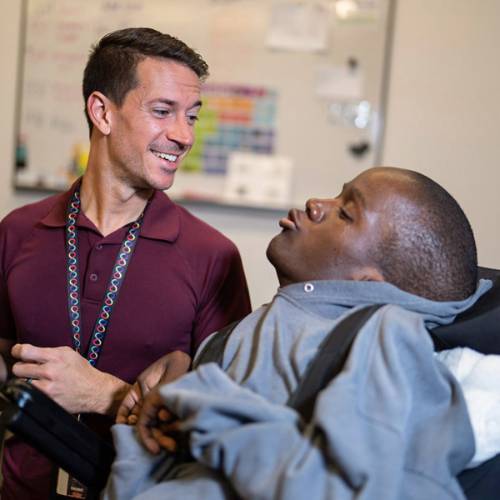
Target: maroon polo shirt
(185,280)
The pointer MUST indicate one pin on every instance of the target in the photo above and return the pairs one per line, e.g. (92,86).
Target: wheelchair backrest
(479,326)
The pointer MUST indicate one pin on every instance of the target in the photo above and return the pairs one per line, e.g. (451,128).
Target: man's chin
(276,251)
(271,249)
(162,184)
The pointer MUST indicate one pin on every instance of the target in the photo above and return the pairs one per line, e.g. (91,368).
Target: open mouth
(171,158)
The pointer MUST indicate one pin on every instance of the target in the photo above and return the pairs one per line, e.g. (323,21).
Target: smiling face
(337,238)
(153,130)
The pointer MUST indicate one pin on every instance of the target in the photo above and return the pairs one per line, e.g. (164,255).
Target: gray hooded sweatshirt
(392,425)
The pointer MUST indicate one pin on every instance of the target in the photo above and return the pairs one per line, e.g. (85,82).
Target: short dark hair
(434,253)
(111,67)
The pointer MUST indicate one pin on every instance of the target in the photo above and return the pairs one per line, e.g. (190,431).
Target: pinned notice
(339,83)
(258,180)
(298,26)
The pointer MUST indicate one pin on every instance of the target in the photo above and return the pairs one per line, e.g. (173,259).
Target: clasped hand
(143,406)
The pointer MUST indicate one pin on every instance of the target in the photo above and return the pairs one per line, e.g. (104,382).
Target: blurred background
(303,95)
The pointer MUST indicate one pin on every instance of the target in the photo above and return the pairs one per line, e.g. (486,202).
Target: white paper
(357,10)
(259,180)
(299,26)
(339,83)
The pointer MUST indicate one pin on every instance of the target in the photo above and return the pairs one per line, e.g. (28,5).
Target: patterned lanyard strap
(115,282)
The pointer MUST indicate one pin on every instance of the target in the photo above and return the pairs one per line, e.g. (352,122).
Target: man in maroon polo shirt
(99,282)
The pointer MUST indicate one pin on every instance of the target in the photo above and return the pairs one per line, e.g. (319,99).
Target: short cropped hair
(434,253)
(111,67)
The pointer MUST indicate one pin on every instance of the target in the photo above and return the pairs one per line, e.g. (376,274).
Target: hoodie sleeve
(385,427)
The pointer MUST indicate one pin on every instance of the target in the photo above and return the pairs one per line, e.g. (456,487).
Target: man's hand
(164,370)
(156,425)
(69,379)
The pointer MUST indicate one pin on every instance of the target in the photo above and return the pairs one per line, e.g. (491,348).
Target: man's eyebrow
(170,102)
(354,193)
(359,196)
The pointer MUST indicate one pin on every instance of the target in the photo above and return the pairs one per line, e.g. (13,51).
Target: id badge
(69,487)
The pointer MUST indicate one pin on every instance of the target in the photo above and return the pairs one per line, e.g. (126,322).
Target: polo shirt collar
(161,220)
(56,217)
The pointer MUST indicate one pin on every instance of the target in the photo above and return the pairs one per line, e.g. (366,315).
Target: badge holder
(83,456)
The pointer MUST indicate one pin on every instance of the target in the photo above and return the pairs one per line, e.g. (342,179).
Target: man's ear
(99,110)
(368,273)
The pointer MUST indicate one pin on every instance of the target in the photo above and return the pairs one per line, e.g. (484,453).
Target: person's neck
(109,203)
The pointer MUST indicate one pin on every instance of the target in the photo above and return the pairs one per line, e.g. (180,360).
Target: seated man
(392,424)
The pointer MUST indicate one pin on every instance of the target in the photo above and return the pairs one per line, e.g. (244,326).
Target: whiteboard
(240,41)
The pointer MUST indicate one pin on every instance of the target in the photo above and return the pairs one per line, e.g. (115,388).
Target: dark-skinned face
(336,238)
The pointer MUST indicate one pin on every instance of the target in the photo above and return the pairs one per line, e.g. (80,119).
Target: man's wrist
(112,392)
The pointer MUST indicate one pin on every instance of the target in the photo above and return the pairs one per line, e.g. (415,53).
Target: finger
(29,370)
(147,439)
(164,441)
(124,410)
(147,419)
(171,428)
(164,415)
(130,401)
(28,352)
(145,386)
(134,414)
(132,420)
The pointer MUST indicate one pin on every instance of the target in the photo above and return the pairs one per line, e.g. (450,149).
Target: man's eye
(161,112)
(192,119)
(344,215)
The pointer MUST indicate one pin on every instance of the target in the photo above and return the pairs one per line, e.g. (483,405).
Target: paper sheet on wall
(298,26)
(339,83)
(256,179)
(357,10)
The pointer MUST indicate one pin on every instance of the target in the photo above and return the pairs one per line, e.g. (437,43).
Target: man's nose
(181,132)
(315,207)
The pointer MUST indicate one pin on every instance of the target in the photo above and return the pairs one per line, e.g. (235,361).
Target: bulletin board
(300,80)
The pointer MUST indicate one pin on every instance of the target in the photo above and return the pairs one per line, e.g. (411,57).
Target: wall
(444,105)
(9,46)
(441,120)
(56,48)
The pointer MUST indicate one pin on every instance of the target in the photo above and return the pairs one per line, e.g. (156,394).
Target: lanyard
(73,281)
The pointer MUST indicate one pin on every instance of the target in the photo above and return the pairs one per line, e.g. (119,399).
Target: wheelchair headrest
(479,326)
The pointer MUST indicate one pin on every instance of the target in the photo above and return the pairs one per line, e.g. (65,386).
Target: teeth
(165,156)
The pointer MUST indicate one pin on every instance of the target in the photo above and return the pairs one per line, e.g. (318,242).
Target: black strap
(213,350)
(329,361)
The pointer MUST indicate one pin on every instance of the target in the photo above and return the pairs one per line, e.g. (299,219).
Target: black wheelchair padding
(478,327)
(34,417)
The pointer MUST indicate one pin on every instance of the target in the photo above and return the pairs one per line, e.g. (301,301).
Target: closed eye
(344,215)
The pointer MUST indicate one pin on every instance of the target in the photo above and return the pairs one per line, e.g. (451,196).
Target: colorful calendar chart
(232,118)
